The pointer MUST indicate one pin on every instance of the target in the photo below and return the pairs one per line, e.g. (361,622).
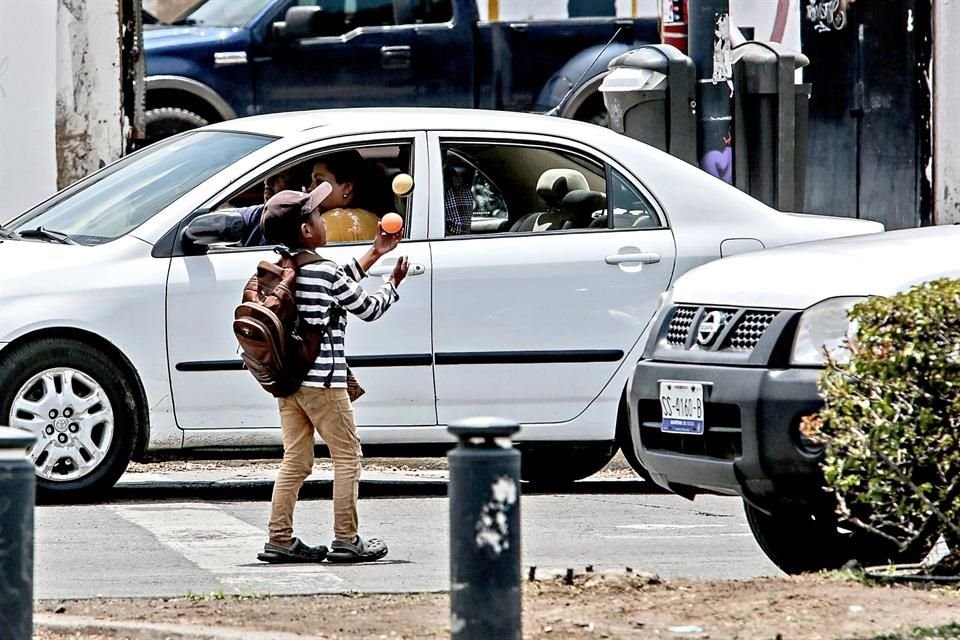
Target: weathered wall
(89,115)
(28,167)
(946,125)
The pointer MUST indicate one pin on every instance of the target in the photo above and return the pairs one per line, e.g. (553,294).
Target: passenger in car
(350,211)
(457,195)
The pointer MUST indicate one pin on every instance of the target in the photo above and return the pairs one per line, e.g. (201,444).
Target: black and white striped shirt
(321,287)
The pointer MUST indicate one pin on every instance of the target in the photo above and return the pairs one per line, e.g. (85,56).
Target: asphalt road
(174,533)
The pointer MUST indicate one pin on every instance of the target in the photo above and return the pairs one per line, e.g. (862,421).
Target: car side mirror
(220,227)
(308,22)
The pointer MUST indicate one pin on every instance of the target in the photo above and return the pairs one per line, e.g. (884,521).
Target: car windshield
(222,13)
(112,202)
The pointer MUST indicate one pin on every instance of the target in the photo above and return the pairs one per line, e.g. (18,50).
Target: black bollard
(17,492)
(485,596)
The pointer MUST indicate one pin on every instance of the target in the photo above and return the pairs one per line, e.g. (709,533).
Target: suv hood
(798,276)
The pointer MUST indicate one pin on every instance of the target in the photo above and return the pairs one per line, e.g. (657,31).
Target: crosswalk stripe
(225,547)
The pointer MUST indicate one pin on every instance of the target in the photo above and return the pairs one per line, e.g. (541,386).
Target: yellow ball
(402,184)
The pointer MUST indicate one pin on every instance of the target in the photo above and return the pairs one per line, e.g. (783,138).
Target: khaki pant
(329,412)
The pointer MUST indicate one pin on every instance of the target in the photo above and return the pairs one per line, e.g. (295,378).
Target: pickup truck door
(366,60)
(444,51)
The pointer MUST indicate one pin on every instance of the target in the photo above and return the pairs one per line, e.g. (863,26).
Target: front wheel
(79,407)
(167,121)
(563,465)
(799,541)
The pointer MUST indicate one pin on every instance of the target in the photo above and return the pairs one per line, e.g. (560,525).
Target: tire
(82,409)
(625,440)
(554,465)
(798,542)
(166,121)
(594,111)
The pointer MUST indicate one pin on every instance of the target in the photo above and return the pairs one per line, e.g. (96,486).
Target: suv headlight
(824,328)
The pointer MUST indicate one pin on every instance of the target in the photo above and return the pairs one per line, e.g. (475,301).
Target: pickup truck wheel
(166,121)
(81,409)
(558,466)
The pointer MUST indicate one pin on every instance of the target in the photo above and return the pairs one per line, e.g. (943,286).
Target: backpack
(276,346)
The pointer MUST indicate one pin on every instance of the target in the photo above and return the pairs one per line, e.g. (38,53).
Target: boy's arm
(383,243)
(350,295)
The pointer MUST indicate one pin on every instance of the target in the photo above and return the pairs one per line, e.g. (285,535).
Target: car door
(534,314)
(363,59)
(391,357)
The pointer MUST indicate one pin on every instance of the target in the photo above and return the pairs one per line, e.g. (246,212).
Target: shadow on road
(321,489)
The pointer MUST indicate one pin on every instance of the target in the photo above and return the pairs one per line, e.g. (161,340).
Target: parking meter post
(710,50)
(17,491)
(771,114)
(484,491)
(650,95)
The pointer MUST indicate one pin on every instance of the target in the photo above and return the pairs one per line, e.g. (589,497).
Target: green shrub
(891,417)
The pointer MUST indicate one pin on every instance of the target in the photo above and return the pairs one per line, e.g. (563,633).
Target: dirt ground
(623,605)
(609,605)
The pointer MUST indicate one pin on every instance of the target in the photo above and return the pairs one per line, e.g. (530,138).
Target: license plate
(682,407)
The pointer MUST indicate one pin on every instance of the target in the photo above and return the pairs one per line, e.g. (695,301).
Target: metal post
(484,531)
(16,534)
(709,44)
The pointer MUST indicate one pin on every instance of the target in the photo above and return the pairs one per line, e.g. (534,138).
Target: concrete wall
(28,163)
(90,129)
(946,125)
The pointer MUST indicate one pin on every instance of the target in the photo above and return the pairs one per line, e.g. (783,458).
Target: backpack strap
(300,260)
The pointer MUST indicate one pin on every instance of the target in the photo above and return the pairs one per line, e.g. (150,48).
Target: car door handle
(416,269)
(642,258)
(395,57)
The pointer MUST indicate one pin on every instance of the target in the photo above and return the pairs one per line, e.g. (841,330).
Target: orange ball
(392,223)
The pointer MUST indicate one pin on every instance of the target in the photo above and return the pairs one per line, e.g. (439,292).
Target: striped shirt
(323,286)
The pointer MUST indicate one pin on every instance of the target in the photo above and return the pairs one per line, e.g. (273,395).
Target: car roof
(368,120)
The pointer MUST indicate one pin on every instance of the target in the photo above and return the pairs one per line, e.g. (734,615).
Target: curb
(155,630)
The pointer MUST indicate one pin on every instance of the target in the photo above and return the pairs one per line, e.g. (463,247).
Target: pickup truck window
(342,16)
(432,11)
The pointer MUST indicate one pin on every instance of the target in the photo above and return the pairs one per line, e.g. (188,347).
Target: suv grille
(680,325)
(741,329)
(750,329)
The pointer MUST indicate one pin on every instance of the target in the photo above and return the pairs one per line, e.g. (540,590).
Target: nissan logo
(710,326)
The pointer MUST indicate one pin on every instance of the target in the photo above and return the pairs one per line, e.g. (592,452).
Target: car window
(518,188)
(361,177)
(432,11)
(341,16)
(116,200)
(631,209)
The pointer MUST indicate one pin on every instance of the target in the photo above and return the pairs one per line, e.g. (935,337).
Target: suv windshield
(116,200)
(222,13)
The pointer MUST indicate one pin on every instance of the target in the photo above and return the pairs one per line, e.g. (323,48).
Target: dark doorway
(869,137)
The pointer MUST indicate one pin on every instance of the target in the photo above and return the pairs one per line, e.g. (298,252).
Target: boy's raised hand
(385,242)
(400,271)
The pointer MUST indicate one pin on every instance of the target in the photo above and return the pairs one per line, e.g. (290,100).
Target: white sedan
(115,330)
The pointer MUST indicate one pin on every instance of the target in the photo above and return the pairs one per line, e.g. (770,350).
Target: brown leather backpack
(276,346)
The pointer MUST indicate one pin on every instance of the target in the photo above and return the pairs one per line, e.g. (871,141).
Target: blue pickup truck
(229,58)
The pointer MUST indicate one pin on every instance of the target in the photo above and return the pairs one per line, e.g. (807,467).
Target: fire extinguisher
(674,23)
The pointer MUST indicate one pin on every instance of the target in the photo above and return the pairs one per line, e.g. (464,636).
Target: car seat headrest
(579,205)
(556,183)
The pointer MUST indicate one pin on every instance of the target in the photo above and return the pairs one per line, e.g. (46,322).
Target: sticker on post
(682,407)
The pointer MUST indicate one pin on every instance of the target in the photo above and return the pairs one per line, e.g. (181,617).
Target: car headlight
(824,328)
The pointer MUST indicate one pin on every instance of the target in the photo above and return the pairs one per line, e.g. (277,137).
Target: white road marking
(225,547)
(684,536)
(651,527)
